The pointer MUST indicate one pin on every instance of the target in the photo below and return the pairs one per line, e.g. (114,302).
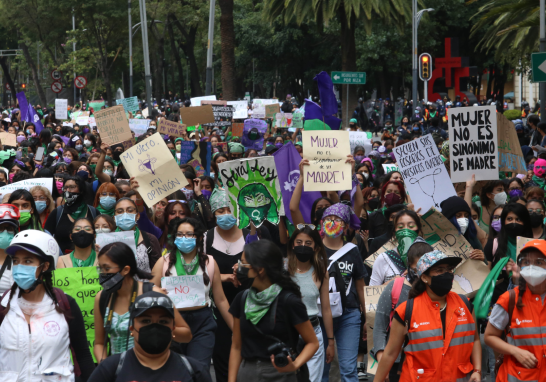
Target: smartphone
(25,152)
(39,154)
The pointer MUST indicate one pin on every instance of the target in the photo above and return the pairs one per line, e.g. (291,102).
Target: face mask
(103,230)
(500,198)
(226,221)
(332,229)
(110,282)
(155,338)
(20,138)
(412,275)
(25,276)
(496,224)
(359,158)
(108,202)
(463,224)
(67,160)
(373,204)
(405,238)
(108,172)
(185,244)
(116,155)
(87,143)
(126,221)
(303,253)
(363,224)
(253,135)
(5,239)
(477,222)
(442,284)
(11,177)
(539,172)
(83,174)
(24,217)
(278,145)
(242,275)
(59,186)
(70,197)
(83,239)
(188,193)
(514,229)
(536,220)
(365,175)
(392,199)
(178,148)
(206,194)
(533,275)
(516,193)
(79,147)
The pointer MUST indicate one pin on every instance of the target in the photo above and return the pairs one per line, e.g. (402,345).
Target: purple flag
(287,160)
(327,96)
(314,111)
(253,134)
(28,114)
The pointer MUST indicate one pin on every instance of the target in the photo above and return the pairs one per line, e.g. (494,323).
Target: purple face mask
(515,193)
(20,138)
(278,145)
(85,130)
(496,224)
(206,194)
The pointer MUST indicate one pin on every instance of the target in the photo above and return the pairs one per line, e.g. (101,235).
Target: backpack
(395,297)
(185,361)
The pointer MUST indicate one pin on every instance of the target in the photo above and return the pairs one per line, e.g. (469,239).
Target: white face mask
(533,275)
(463,223)
(500,198)
(103,230)
(87,143)
(365,175)
(477,222)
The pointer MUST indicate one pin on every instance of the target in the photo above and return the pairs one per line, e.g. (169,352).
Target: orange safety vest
(429,356)
(528,332)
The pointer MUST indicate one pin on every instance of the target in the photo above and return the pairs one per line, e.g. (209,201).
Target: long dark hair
(314,208)
(199,232)
(122,255)
(265,254)
(319,259)
(35,221)
(163,222)
(488,188)
(502,239)
(418,287)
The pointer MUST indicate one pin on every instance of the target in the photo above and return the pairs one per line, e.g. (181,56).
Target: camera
(281,352)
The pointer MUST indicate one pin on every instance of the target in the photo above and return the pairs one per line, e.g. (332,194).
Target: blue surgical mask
(226,221)
(108,172)
(24,276)
(107,202)
(185,244)
(79,147)
(40,206)
(5,239)
(126,221)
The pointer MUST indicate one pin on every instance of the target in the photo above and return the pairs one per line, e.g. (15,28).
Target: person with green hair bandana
(236,150)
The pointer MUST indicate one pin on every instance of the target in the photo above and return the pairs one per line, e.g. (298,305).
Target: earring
(131,334)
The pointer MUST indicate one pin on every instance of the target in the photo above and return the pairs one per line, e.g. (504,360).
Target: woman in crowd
(534,193)
(55,318)
(105,199)
(307,265)
(104,224)
(218,158)
(457,211)
(515,188)
(84,255)
(492,195)
(273,299)
(440,315)
(29,216)
(202,188)
(43,201)
(371,199)
(392,193)
(9,226)
(536,214)
(186,256)
(118,278)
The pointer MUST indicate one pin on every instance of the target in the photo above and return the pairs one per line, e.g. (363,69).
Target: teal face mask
(5,239)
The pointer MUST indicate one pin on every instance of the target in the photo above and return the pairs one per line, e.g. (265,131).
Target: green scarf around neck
(81,212)
(109,212)
(77,263)
(540,181)
(257,303)
(186,269)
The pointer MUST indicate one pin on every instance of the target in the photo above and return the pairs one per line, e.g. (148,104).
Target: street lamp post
(416,17)
(542,86)
(147,74)
(74,50)
(208,87)
(130,51)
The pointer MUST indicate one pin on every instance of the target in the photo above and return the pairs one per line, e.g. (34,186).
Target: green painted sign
(349,78)
(538,63)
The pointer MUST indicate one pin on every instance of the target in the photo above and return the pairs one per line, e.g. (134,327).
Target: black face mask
(303,253)
(536,220)
(242,275)
(83,239)
(514,229)
(155,338)
(442,284)
(373,204)
(318,214)
(116,155)
(363,224)
(70,197)
(111,282)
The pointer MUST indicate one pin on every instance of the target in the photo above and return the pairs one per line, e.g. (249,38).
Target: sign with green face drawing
(252,186)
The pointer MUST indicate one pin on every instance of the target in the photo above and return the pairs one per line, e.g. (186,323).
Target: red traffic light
(23,86)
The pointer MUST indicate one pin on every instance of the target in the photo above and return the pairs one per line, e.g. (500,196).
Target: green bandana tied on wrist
(405,238)
(257,303)
(186,269)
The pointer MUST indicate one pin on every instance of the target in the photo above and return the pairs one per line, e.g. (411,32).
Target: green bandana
(218,199)
(540,181)
(116,162)
(109,212)
(511,248)
(186,269)
(236,148)
(77,263)
(81,212)
(405,238)
(257,303)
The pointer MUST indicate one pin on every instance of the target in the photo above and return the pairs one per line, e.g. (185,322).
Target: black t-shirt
(254,345)
(63,230)
(132,370)
(351,267)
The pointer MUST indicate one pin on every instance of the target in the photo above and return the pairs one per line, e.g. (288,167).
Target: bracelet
(331,338)
(477,371)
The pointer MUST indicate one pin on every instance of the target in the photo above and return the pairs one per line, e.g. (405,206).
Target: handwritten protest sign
(96,105)
(192,116)
(297,120)
(113,125)
(253,134)
(371,295)
(196,154)
(222,115)
(27,185)
(240,109)
(327,152)
(425,176)
(510,154)
(237,129)
(167,127)
(61,108)
(389,168)
(258,106)
(360,138)
(473,146)
(82,120)
(253,189)
(185,291)
(82,284)
(140,126)
(126,237)
(272,110)
(155,169)
(521,241)
(283,119)
(8,139)
(129,104)
(196,101)
(91,122)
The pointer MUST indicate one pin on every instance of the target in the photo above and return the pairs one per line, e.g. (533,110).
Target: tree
(227,33)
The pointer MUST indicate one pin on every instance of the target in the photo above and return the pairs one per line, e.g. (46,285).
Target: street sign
(538,63)
(56,87)
(349,78)
(8,88)
(80,82)
(56,75)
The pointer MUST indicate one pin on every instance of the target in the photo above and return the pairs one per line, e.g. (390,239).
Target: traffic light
(24,86)
(425,66)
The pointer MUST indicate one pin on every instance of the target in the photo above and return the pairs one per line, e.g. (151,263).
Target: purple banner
(28,114)
(287,161)
(327,96)
(314,111)
(253,134)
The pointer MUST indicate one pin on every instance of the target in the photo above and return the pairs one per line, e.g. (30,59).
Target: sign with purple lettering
(327,152)
(196,154)
(253,134)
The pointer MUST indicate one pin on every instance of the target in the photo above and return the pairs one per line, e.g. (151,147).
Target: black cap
(271,149)
(150,300)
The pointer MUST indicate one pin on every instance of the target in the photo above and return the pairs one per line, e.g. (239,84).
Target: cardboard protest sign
(297,120)
(140,126)
(155,169)
(27,185)
(520,243)
(129,104)
(61,108)
(473,144)
(258,106)
(199,115)
(222,115)
(425,176)
(113,125)
(185,291)
(82,120)
(360,138)
(327,152)
(510,154)
(196,101)
(126,237)
(196,154)
(389,168)
(252,186)
(8,139)
(237,129)
(219,103)
(272,110)
(175,129)
(371,295)
(92,122)
(240,109)
(253,134)
(283,119)
(82,284)
(469,277)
